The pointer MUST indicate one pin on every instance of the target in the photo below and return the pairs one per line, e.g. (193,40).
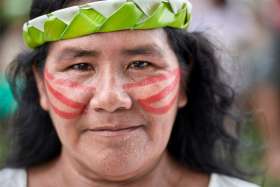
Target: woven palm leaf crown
(106,16)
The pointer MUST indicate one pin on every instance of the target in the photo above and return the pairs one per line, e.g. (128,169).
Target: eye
(139,65)
(81,67)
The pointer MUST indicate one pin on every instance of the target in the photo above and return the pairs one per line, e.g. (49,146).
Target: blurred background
(247,36)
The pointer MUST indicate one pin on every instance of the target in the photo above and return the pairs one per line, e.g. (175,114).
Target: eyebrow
(74,52)
(143,50)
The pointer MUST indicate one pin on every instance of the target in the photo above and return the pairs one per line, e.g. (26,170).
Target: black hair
(199,139)
(199,135)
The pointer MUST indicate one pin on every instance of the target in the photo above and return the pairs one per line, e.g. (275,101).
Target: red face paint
(160,95)
(148,102)
(68,83)
(64,99)
(145,82)
(149,80)
(158,110)
(78,107)
(65,115)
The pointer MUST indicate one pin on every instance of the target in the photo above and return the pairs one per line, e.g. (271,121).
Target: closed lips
(116,128)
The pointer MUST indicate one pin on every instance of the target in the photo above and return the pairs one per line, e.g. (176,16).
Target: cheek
(67,98)
(158,94)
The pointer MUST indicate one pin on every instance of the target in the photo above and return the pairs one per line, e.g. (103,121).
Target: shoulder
(217,180)
(13,178)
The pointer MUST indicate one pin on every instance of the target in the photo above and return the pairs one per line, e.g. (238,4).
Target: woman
(114,96)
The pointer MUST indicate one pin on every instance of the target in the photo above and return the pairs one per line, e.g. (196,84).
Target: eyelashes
(139,65)
(134,65)
(82,67)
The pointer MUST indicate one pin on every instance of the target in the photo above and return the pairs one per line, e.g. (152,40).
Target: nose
(110,96)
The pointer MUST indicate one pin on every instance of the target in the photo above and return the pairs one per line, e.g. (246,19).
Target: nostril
(98,109)
(112,110)
(110,101)
(122,108)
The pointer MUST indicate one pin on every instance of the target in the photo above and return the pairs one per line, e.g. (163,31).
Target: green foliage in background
(7,102)
(3,141)
(7,107)
(14,9)
(251,154)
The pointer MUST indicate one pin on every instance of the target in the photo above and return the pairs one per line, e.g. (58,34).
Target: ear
(183,99)
(44,101)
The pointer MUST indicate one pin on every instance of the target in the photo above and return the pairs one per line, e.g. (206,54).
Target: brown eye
(82,67)
(139,65)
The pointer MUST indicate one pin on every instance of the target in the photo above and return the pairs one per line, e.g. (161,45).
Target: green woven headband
(106,16)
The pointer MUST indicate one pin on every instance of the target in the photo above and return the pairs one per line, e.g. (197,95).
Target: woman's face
(113,99)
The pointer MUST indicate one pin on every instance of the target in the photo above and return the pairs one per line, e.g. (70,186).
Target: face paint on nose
(154,101)
(61,91)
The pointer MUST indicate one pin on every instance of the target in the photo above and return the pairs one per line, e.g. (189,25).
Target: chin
(121,161)
(121,169)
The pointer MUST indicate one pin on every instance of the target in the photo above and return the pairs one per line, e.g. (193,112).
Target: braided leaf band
(106,16)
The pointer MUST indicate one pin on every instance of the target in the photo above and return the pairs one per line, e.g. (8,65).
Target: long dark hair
(198,141)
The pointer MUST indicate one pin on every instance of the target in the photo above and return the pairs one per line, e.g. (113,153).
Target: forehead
(114,41)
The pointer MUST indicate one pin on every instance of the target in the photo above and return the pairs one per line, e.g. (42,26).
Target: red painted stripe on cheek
(145,82)
(152,80)
(68,83)
(146,103)
(159,110)
(167,90)
(65,115)
(65,100)
(74,85)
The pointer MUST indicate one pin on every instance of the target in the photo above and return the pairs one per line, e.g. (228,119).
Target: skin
(113,98)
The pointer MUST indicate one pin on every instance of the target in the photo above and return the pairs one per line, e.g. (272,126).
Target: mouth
(115,131)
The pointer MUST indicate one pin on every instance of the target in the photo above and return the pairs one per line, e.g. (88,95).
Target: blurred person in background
(265,89)
(233,27)
(248,49)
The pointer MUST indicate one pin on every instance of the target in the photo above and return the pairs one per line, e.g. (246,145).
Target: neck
(64,172)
